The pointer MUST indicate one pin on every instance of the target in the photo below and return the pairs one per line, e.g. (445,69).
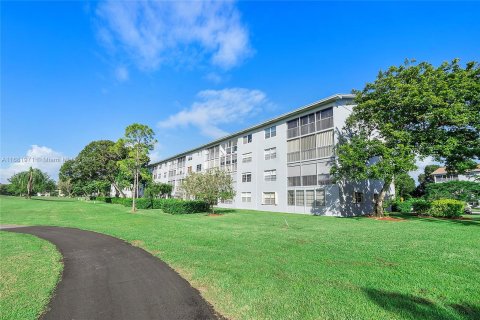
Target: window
(307,124)
(292,129)
(199,167)
(310,198)
(309,174)
(325,119)
(325,144)
(270,132)
(293,176)
(357,197)
(293,150)
(189,157)
(165,175)
(307,145)
(300,197)
(246,197)
(291,197)
(247,177)
(270,175)
(270,153)
(320,198)
(269,198)
(375,197)
(247,157)
(324,179)
(247,139)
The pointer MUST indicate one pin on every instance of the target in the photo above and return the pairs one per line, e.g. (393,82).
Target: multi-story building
(282,164)
(441,175)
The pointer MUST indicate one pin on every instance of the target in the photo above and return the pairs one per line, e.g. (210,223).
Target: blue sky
(74,71)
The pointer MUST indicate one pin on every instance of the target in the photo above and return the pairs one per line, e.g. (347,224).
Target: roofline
(333,98)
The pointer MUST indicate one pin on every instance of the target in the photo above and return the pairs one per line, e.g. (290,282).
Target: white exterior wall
(338,198)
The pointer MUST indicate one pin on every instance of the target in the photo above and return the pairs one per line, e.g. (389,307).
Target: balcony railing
(308,128)
(323,152)
(308,154)
(293,132)
(293,156)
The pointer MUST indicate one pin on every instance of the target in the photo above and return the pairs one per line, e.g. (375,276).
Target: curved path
(107,278)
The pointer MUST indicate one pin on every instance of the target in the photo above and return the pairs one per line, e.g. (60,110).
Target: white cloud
(421,164)
(157,32)
(121,73)
(40,157)
(217,107)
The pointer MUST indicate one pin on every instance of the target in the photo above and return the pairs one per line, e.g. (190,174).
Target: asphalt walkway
(107,278)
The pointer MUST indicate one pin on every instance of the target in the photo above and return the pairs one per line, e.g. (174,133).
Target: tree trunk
(118,189)
(381,197)
(134,190)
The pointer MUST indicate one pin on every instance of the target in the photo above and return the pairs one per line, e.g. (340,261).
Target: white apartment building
(441,175)
(282,164)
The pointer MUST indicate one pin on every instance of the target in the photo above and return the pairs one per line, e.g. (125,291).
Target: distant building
(441,175)
(281,165)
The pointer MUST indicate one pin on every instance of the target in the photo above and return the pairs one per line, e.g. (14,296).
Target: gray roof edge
(329,99)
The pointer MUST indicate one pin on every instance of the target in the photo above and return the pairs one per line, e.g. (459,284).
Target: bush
(446,208)
(172,206)
(404,207)
(127,202)
(104,199)
(421,206)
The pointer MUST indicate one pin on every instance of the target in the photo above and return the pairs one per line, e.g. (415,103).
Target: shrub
(104,199)
(421,206)
(143,203)
(404,207)
(176,206)
(446,208)
(127,202)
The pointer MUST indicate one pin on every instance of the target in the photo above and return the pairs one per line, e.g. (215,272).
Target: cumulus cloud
(216,107)
(156,32)
(155,153)
(40,157)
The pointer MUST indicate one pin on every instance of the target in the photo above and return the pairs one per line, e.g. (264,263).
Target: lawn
(29,270)
(261,265)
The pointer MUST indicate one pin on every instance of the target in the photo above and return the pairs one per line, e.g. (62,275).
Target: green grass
(251,265)
(29,270)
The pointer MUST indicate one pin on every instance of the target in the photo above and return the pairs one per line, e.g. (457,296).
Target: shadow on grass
(406,305)
(223,211)
(54,199)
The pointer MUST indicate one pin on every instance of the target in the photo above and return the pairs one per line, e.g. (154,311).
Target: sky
(77,71)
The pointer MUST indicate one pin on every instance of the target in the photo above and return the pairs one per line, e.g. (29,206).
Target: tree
(366,154)
(139,140)
(468,191)
(209,186)
(30,182)
(404,185)
(158,190)
(424,179)
(439,108)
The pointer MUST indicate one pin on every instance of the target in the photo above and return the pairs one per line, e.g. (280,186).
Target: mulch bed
(215,215)
(387,218)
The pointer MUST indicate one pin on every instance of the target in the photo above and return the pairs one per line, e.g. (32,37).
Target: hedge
(404,207)
(446,208)
(172,206)
(421,206)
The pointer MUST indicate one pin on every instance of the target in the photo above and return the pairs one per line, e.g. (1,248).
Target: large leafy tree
(30,182)
(411,109)
(209,186)
(468,191)
(366,154)
(138,141)
(158,190)
(424,179)
(439,108)
(404,185)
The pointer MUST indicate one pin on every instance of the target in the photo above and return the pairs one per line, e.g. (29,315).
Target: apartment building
(282,164)
(441,175)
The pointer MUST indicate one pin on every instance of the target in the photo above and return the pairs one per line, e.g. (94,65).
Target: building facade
(281,165)
(441,175)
